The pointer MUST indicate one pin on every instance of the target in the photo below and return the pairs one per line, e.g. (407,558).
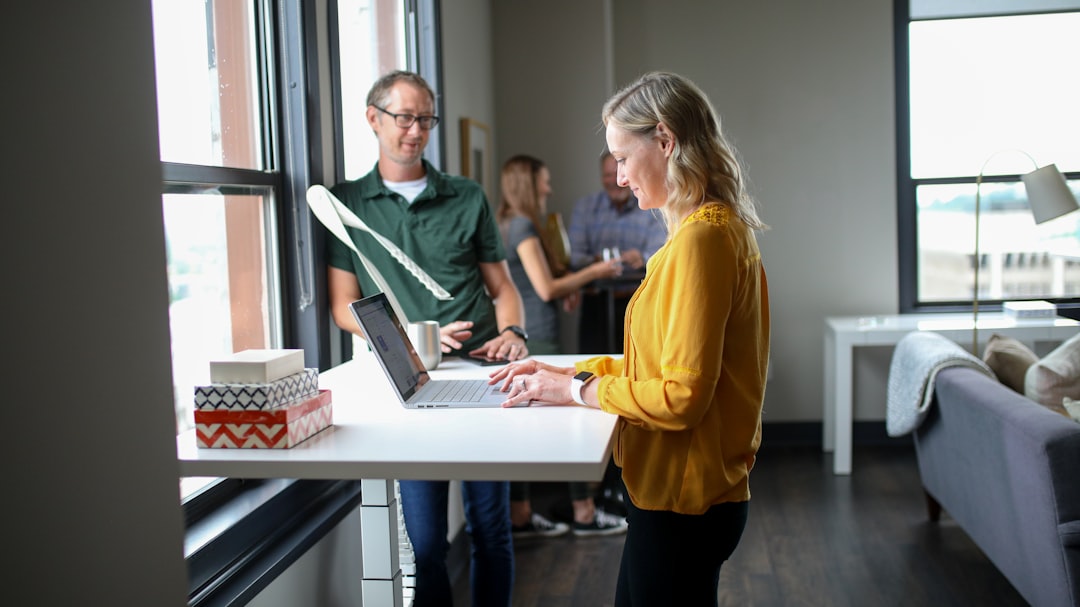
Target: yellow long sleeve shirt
(690,386)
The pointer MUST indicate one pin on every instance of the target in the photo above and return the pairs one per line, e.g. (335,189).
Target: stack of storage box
(262,399)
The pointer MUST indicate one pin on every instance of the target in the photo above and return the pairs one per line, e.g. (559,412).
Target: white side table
(845,333)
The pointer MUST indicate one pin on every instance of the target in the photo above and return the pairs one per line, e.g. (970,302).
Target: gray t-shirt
(541,317)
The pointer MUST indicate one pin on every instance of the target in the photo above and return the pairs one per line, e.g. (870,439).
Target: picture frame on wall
(476,155)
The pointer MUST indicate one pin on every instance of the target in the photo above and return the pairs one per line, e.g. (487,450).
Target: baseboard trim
(810,433)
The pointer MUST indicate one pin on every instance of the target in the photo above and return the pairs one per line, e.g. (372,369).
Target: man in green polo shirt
(446,225)
(442,222)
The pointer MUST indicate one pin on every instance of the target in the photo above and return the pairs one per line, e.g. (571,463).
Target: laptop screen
(387,340)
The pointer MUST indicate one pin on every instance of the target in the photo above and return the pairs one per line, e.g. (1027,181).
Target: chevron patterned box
(257,397)
(280,428)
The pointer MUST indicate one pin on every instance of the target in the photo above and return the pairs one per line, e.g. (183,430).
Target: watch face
(583,376)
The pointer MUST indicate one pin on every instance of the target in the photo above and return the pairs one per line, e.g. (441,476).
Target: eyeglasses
(406,121)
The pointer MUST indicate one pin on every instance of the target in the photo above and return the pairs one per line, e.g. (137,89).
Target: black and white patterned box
(256,397)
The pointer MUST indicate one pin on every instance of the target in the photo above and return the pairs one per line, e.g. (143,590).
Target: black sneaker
(612,503)
(602,524)
(538,526)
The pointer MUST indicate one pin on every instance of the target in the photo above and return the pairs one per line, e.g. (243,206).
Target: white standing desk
(845,333)
(376,440)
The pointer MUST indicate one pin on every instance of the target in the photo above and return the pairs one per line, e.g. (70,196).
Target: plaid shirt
(596,223)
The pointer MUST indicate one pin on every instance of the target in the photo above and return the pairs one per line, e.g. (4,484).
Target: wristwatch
(516,330)
(577,384)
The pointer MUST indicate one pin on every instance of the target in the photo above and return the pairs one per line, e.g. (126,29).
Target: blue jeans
(487,521)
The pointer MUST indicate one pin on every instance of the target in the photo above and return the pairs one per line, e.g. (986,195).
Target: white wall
(551,77)
(91,501)
(805,91)
(467,77)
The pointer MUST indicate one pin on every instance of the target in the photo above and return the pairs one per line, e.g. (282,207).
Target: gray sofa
(1007,470)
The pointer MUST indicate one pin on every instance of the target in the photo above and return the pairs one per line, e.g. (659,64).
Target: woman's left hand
(529,380)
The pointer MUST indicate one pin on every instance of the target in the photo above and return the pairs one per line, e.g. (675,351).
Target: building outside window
(222,138)
(991,93)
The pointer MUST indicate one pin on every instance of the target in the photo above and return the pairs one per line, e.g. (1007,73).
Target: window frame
(906,207)
(181,178)
(286,53)
(253,544)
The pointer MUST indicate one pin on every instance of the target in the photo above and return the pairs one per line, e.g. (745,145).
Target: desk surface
(375,437)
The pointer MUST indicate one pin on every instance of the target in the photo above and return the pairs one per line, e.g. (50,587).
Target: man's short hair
(380,91)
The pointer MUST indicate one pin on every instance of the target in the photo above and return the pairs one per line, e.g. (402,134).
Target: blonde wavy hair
(703,166)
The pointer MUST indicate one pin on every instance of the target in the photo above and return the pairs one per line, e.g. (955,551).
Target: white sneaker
(602,524)
(538,526)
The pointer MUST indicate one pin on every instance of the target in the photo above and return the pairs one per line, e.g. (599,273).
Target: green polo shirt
(448,230)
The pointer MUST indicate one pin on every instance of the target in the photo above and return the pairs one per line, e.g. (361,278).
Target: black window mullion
(176,173)
(907,209)
(306,311)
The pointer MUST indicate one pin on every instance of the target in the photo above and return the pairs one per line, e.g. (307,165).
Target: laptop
(415,389)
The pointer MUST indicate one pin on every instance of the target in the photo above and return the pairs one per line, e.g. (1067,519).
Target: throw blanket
(915,363)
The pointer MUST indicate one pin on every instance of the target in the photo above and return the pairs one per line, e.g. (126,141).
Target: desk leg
(382,581)
(828,403)
(842,415)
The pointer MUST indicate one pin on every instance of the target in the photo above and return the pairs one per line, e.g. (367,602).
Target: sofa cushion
(1009,359)
(1055,377)
(1072,407)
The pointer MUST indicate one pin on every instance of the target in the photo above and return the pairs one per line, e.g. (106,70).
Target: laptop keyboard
(462,391)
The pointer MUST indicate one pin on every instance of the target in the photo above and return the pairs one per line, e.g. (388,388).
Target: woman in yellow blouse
(689,389)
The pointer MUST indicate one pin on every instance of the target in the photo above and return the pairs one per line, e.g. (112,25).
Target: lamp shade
(1048,194)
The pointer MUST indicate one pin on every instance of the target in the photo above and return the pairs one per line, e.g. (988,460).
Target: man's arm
(343,288)
(508,311)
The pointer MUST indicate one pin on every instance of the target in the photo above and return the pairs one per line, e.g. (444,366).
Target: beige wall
(805,95)
(468,79)
(91,508)
(551,77)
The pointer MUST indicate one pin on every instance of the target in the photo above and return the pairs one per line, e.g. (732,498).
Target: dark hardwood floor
(812,539)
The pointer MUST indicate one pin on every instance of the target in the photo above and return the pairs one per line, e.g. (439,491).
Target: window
(239,119)
(374,37)
(361,63)
(993,94)
(221,192)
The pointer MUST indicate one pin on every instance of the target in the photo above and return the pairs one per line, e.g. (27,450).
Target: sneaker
(612,503)
(538,526)
(602,524)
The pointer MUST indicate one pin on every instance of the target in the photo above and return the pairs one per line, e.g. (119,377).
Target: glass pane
(207,83)
(371,43)
(221,289)
(979,86)
(1018,259)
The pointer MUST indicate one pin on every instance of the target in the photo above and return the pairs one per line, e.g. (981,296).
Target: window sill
(239,546)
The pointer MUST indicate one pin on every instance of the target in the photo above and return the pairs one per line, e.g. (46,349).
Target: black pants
(593,330)
(675,559)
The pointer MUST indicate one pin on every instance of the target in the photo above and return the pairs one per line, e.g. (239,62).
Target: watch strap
(516,330)
(577,386)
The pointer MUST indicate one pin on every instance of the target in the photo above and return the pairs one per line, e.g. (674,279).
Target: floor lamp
(1048,196)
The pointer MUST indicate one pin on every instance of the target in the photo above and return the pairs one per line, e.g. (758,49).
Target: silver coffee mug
(427,341)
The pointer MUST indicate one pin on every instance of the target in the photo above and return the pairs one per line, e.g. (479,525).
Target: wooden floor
(812,539)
